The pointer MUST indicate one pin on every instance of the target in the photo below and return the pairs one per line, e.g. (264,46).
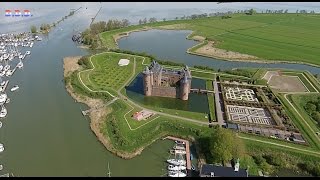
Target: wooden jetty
(187,149)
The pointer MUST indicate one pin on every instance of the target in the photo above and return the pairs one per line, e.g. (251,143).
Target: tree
(310,107)
(225,145)
(140,21)
(33,29)
(177,18)
(152,20)
(144,21)
(164,19)
(251,11)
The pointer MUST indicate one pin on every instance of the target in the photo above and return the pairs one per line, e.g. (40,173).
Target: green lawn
(299,102)
(211,102)
(299,123)
(268,36)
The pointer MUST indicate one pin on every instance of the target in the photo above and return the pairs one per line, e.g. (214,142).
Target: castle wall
(185,89)
(164,91)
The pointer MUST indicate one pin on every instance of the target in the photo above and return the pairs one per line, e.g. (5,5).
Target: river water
(45,133)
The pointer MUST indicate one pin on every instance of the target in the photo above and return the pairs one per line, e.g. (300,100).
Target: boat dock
(187,149)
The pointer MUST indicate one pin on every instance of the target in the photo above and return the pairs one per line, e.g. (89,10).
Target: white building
(123,62)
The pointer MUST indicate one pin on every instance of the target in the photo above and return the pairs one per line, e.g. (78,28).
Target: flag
(17,13)
(27,13)
(7,13)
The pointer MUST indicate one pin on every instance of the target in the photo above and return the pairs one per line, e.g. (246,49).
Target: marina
(11,46)
(181,163)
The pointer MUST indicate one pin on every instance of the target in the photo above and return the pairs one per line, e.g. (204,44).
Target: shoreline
(118,37)
(95,118)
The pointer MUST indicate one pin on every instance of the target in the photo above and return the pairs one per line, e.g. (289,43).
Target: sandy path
(210,50)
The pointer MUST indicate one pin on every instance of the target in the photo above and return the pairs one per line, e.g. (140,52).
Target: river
(45,133)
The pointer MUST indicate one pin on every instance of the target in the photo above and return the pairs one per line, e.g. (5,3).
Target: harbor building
(158,81)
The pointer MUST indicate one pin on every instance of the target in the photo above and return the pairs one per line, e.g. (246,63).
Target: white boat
(1,67)
(176,168)
(2,73)
(3,112)
(179,142)
(176,162)
(179,147)
(8,100)
(20,65)
(31,44)
(6,68)
(3,98)
(176,174)
(20,56)
(9,73)
(178,151)
(1,167)
(14,88)
(28,52)
(1,147)
(0,124)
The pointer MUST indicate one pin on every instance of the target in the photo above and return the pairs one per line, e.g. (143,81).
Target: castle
(158,81)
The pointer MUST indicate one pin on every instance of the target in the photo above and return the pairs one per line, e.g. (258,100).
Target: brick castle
(158,81)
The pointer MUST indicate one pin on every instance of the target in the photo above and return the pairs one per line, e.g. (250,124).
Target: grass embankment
(266,36)
(299,101)
(211,102)
(299,123)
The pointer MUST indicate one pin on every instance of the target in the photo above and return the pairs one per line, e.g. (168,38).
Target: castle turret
(147,82)
(184,88)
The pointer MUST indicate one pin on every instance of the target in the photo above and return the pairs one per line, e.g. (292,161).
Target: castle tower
(147,86)
(184,88)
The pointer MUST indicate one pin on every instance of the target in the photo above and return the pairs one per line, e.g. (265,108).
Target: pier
(204,91)
(187,149)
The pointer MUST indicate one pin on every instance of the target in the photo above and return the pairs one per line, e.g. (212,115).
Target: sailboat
(3,112)
(109,173)
(20,64)
(1,147)
(3,98)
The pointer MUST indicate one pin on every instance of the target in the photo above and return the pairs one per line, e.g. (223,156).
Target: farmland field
(285,37)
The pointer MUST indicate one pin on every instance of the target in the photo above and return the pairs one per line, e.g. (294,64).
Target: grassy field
(268,36)
(304,130)
(211,102)
(299,102)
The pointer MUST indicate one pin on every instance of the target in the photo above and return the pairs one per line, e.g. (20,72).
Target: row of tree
(313,109)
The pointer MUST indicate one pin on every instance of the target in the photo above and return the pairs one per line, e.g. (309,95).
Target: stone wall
(164,91)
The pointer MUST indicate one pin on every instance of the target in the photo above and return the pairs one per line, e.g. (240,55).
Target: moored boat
(3,112)
(14,88)
(176,162)
(176,168)
(176,174)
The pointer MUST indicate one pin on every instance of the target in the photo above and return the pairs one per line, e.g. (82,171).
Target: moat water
(195,103)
